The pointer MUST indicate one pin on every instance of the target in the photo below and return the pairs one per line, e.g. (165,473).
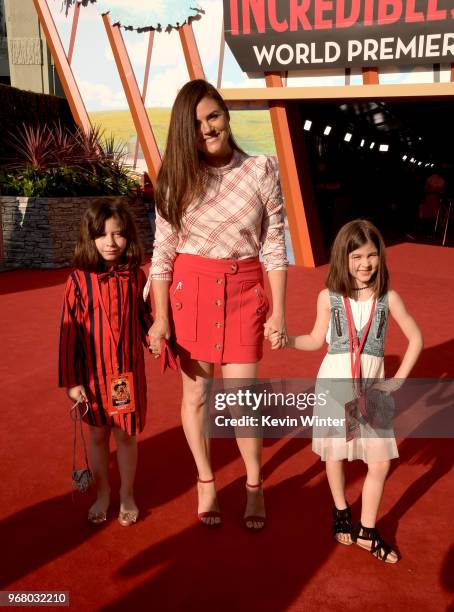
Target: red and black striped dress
(88,351)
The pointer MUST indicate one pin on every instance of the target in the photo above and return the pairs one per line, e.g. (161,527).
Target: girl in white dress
(352,317)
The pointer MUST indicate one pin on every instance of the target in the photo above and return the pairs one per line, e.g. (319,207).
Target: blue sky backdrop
(95,69)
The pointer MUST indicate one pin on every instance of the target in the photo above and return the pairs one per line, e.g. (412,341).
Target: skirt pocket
(184,295)
(254,306)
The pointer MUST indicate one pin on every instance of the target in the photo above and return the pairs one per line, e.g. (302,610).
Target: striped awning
(145,15)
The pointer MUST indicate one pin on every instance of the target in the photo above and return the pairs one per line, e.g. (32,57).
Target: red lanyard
(355,346)
(116,338)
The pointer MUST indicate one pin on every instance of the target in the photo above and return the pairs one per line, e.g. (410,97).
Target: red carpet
(169,562)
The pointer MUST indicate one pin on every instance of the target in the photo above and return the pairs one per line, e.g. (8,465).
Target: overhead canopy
(420,129)
(144,15)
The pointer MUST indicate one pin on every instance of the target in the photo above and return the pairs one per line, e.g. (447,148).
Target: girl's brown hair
(352,236)
(180,177)
(86,256)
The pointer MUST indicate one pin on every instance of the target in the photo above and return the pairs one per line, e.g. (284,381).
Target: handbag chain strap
(77,417)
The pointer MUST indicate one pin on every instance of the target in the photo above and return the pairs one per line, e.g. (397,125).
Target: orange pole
(221,57)
(452,73)
(370,76)
(65,73)
(145,85)
(302,214)
(72,40)
(191,52)
(135,102)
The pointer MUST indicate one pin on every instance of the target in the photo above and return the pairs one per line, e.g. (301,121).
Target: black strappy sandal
(342,523)
(378,548)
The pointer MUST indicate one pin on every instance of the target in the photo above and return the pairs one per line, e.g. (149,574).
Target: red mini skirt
(218,308)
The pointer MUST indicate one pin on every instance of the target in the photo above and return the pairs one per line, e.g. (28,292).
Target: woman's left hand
(276,323)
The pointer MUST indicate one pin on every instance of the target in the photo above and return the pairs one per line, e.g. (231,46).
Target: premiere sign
(267,35)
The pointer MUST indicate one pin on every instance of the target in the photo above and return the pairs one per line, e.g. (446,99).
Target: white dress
(369,448)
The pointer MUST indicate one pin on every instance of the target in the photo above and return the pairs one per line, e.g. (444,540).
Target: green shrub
(53,161)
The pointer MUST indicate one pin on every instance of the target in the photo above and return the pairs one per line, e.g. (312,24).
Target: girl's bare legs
(127,464)
(372,495)
(250,448)
(194,377)
(373,491)
(336,481)
(99,451)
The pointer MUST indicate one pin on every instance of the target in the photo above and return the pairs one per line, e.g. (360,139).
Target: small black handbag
(82,479)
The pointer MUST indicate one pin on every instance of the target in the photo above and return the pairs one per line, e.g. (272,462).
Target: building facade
(25,59)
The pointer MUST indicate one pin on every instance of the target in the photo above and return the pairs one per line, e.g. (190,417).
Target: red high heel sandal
(214,514)
(254,518)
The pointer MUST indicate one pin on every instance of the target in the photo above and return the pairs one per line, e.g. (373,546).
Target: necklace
(361,288)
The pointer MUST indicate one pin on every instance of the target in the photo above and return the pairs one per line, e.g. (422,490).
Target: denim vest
(340,340)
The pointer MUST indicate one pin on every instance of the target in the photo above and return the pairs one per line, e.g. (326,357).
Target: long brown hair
(352,236)
(86,256)
(180,177)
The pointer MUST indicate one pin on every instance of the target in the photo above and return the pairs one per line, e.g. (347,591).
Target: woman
(217,207)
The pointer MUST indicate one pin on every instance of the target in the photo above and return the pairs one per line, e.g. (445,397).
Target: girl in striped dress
(104,324)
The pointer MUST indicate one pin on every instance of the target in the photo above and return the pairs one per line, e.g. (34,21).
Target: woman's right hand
(159,330)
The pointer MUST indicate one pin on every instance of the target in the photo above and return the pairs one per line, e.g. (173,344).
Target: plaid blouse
(239,212)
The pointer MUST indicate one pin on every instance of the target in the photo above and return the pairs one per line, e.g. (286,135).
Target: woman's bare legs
(127,464)
(250,448)
(195,375)
(99,453)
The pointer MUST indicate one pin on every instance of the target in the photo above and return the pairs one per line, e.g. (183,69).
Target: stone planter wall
(42,232)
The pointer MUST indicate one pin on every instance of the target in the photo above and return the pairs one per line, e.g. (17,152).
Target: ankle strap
(366,533)
(255,486)
(205,481)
